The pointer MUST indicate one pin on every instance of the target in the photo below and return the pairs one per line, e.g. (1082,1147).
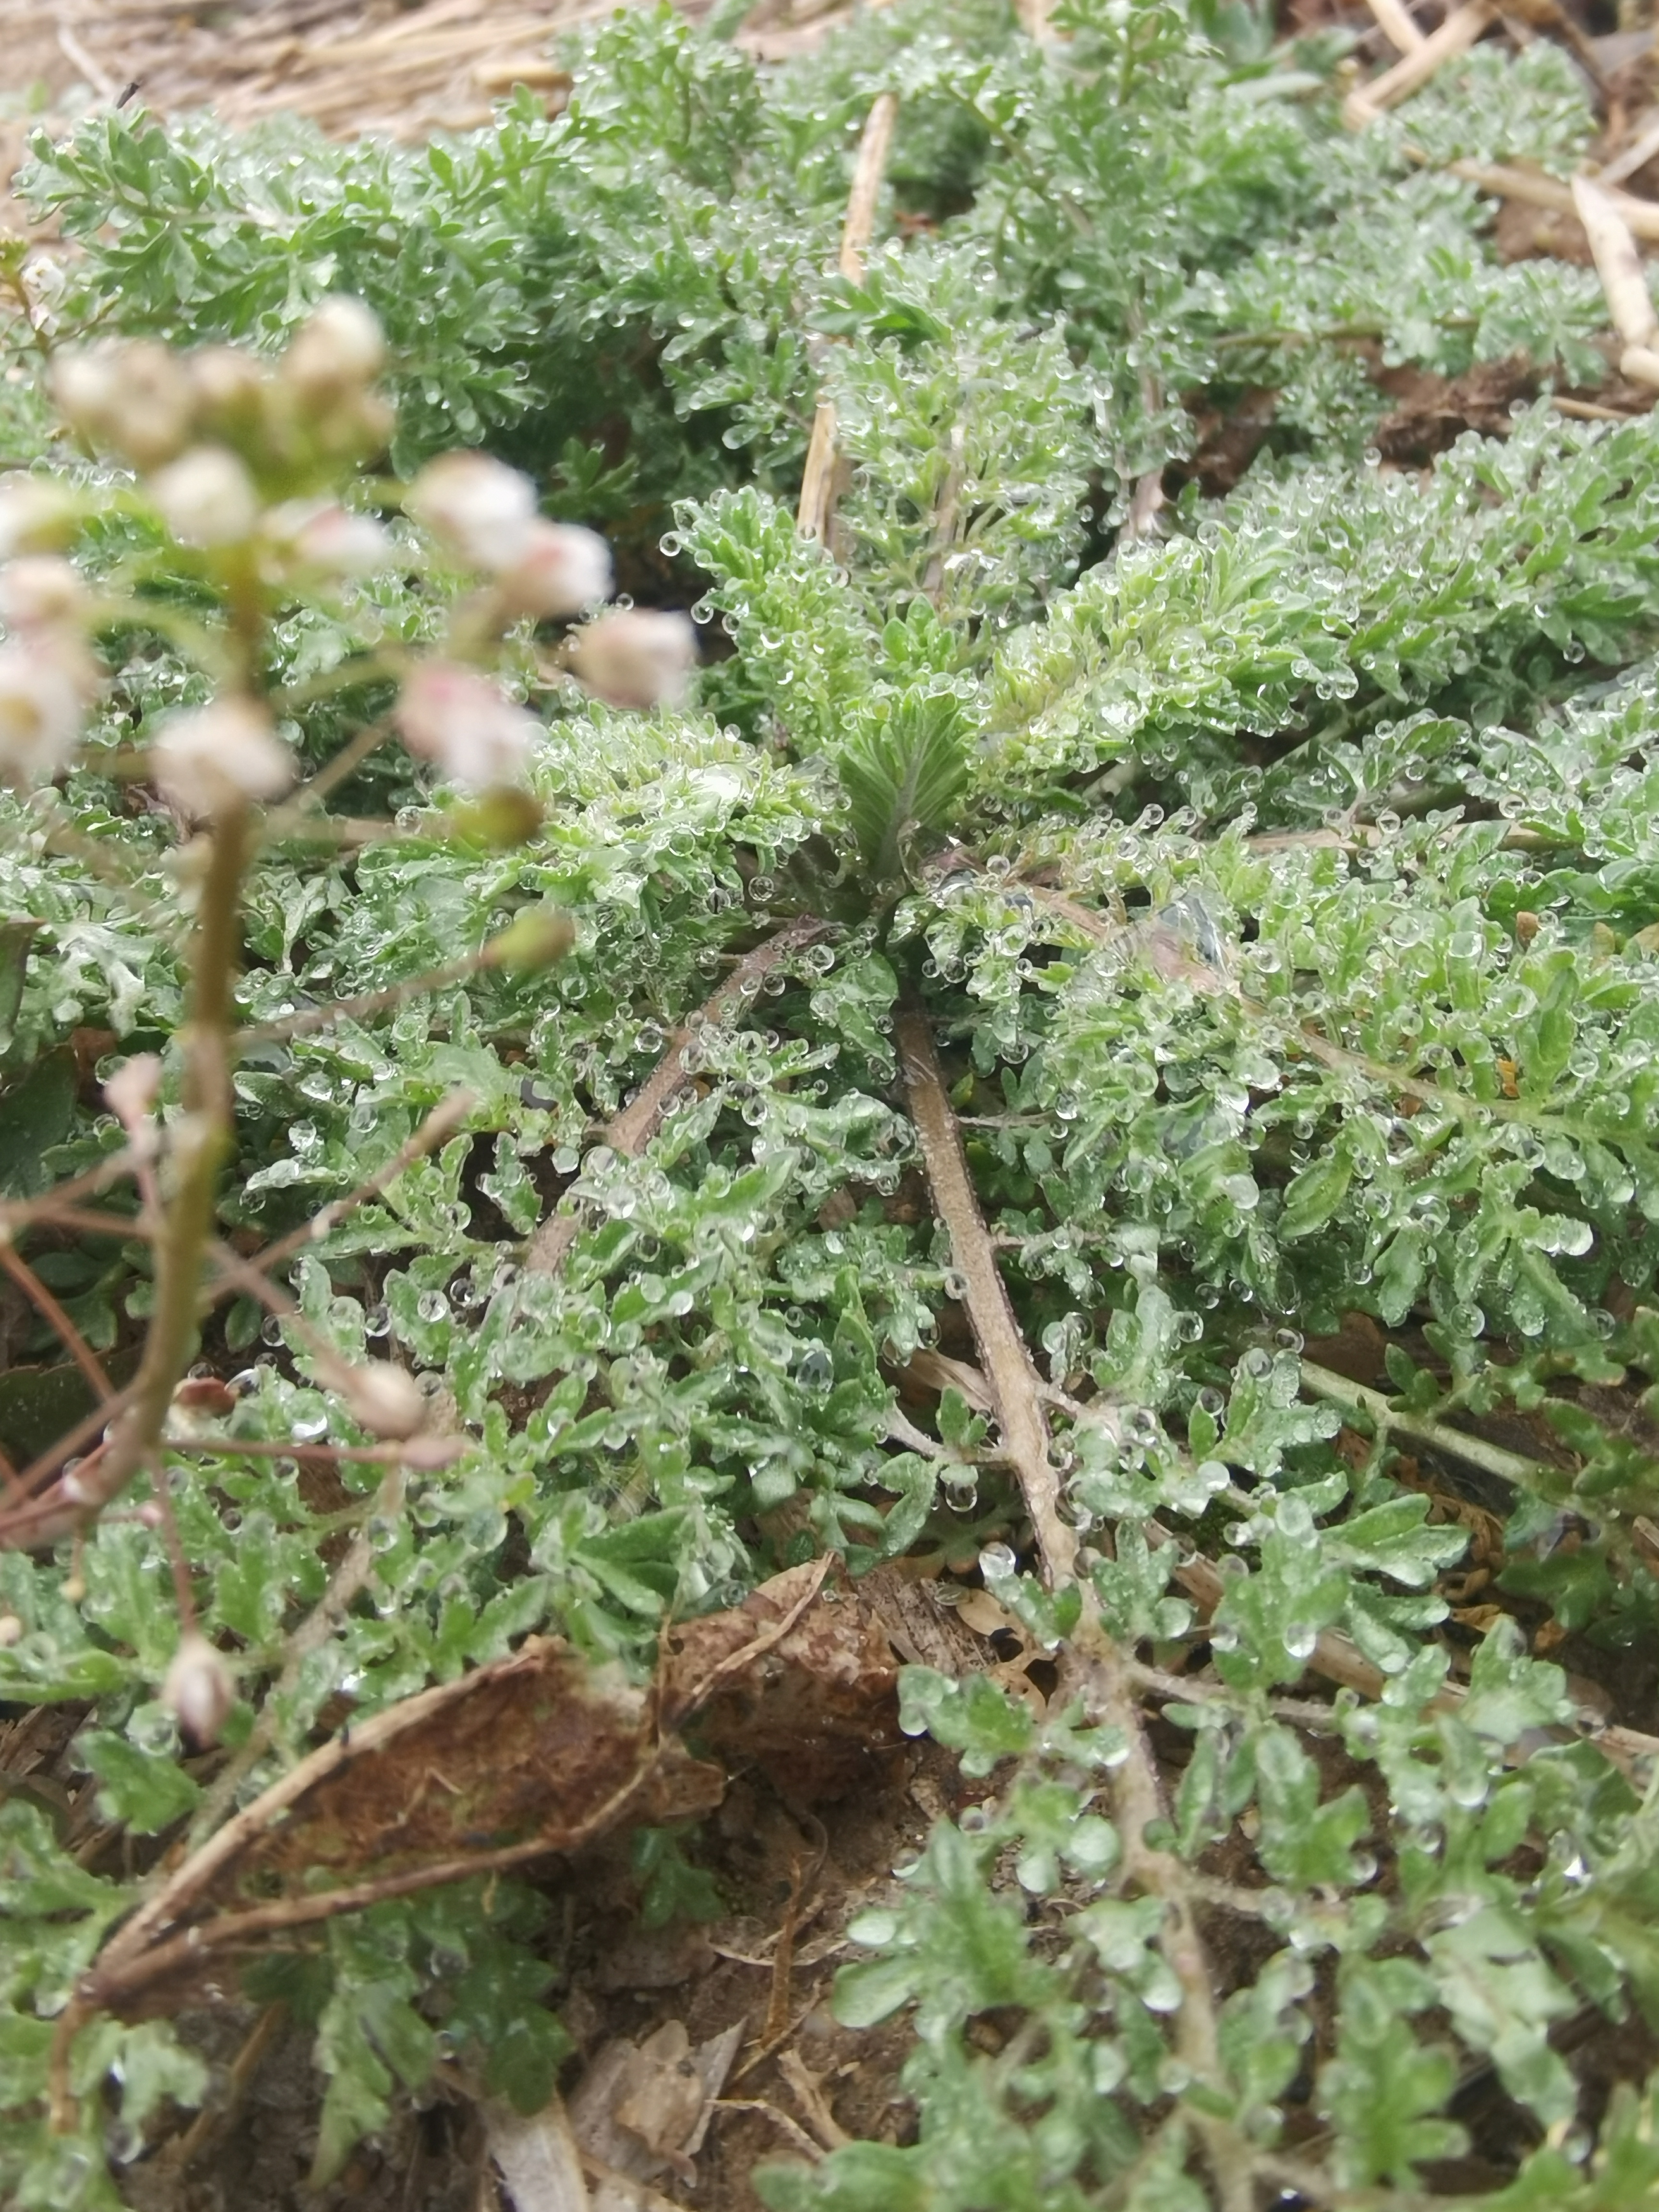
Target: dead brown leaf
(536,1755)
(643,2109)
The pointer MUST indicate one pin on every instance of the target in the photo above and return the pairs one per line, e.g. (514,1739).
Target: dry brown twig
(1624,279)
(1637,155)
(809,2095)
(1414,69)
(1096,1665)
(1505,182)
(1397,26)
(57,1319)
(1014,1386)
(628,1133)
(818,478)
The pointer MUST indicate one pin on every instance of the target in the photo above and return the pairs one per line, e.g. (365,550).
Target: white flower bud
(131,1090)
(199,1689)
(478,738)
(87,386)
(326,540)
(45,281)
(135,398)
(224,379)
(561,569)
(40,590)
(636,657)
(339,344)
(42,695)
(11,1631)
(219,758)
(481,510)
(207,498)
(382,1399)
(36,516)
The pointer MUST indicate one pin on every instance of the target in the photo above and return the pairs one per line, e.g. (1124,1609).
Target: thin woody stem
(818,477)
(53,1314)
(446,1117)
(310,1019)
(1007,1362)
(629,1132)
(1100,1669)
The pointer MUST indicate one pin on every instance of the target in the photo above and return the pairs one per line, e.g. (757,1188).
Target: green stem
(200,1146)
(1509,1467)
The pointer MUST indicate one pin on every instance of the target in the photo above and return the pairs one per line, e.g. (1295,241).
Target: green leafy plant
(1192,952)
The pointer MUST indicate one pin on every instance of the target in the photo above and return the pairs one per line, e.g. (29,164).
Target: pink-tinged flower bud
(207,498)
(40,591)
(481,511)
(561,569)
(36,516)
(339,344)
(382,1399)
(426,1455)
(326,540)
(42,695)
(221,758)
(478,737)
(199,1689)
(131,1090)
(135,398)
(635,658)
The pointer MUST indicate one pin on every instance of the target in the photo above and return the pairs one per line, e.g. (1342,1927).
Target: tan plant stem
(310,1019)
(1007,1364)
(1093,1661)
(1618,263)
(125,1226)
(283,821)
(44,1519)
(628,1133)
(285,1447)
(111,1984)
(818,477)
(1336,1658)
(1633,157)
(1528,185)
(1397,26)
(15,1212)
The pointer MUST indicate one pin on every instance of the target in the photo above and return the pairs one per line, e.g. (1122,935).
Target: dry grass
(352,65)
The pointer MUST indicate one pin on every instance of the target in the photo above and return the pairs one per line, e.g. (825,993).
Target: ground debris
(643,2109)
(536,1755)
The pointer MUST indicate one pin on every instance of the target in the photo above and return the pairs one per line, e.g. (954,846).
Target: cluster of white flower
(212,435)
(234,457)
(47,674)
(484,516)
